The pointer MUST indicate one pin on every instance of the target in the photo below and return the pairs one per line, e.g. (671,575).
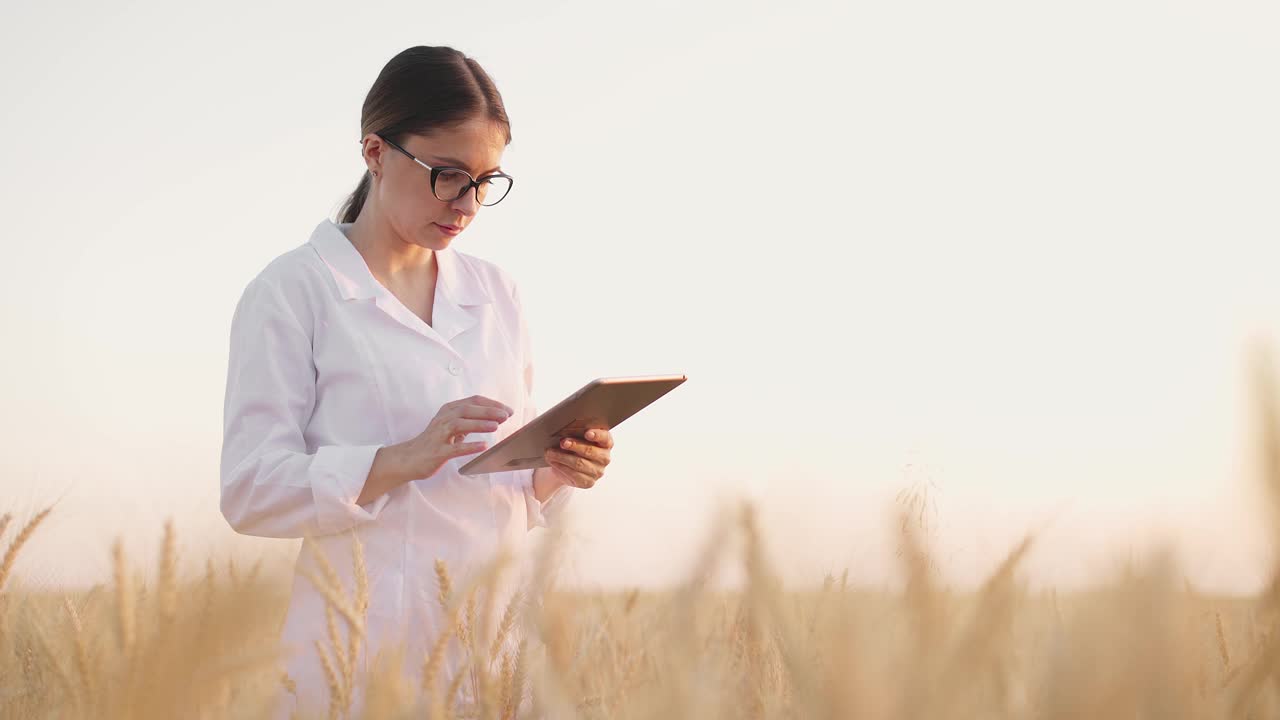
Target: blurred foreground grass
(1142,645)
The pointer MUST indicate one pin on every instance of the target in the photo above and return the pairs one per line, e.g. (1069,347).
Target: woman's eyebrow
(458,163)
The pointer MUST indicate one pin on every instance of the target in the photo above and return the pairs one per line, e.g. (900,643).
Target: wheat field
(1142,644)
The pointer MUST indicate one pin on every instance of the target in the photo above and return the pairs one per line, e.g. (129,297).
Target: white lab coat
(325,367)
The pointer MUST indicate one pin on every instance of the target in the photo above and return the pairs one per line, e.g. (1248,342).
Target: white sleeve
(540,514)
(271,485)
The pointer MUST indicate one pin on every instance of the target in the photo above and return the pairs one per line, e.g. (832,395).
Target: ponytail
(351,208)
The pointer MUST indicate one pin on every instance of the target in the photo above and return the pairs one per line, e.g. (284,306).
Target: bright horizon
(1015,251)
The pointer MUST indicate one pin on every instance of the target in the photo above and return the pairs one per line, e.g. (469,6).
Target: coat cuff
(542,514)
(340,472)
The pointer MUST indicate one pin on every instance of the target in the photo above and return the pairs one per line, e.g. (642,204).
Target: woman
(371,362)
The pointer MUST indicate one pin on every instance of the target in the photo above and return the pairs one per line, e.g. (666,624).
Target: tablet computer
(601,403)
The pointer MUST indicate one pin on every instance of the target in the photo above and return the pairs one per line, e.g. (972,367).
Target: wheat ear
(11,555)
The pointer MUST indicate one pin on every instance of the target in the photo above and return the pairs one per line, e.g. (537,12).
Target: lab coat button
(455,368)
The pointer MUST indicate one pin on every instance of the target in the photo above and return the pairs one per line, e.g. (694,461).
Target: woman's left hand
(581,463)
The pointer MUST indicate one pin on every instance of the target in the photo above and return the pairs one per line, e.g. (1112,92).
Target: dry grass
(1143,645)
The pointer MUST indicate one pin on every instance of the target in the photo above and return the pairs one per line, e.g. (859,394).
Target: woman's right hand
(442,440)
(424,455)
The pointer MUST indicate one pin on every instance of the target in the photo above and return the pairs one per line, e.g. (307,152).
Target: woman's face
(403,188)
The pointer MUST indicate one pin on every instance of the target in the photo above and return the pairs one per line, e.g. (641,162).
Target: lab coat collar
(459,286)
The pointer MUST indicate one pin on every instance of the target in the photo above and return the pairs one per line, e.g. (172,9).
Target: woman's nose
(467,204)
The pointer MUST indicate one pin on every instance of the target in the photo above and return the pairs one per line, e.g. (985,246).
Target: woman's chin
(433,241)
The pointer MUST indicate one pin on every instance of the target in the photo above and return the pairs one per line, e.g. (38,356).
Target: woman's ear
(372,149)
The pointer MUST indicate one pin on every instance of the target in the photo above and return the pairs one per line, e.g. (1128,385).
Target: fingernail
(567,443)
(591,434)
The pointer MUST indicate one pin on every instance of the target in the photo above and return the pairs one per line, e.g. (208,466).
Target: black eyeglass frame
(436,170)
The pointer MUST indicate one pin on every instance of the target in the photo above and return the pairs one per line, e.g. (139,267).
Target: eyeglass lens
(450,185)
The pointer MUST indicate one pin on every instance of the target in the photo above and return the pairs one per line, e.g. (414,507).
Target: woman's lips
(448,229)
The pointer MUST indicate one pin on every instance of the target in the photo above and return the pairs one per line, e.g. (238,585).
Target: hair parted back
(421,89)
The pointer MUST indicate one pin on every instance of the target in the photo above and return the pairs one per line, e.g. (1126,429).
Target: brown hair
(421,89)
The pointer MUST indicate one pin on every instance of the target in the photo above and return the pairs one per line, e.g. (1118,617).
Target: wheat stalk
(445,584)
(450,695)
(1222,642)
(51,658)
(83,665)
(339,651)
(516,688)
(337,697)
(125,599)
(342,679)
(168,575)
(354,639)
(232,574)
(335,600)
(11,555)
(326,568)
(508,622)
(435,658)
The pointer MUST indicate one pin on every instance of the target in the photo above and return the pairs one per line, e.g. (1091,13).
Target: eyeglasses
(450,183)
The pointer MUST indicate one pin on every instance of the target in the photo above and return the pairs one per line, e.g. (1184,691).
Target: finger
(465,448)
(462,427)
(562,460)
(591,452)
(601,437)
(576,463)
(574,477)
(486,401)
(484,412)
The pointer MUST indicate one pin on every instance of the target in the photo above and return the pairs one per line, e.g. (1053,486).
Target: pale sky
(1011,249)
